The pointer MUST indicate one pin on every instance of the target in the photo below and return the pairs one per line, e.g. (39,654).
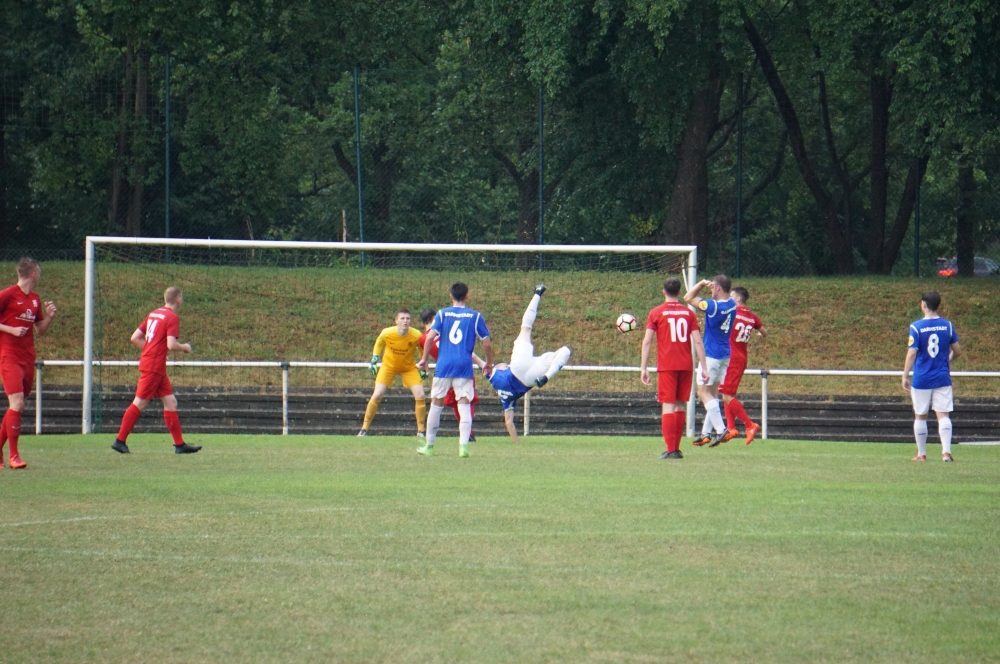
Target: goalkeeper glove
(374,365)
(423,374)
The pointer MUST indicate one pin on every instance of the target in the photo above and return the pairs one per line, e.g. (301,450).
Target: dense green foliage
(321,548)
(847,105)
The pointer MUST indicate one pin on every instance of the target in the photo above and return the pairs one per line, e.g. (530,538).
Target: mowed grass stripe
(565,549)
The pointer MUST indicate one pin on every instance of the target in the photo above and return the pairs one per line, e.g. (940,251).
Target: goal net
(299,319)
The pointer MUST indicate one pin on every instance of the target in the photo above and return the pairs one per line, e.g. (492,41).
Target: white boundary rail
(690,275)
(765,375)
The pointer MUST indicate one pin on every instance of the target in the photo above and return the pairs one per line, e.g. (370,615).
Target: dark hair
(723,282)
(932,298)
(741,293)
(427,315)
(27,267)
(403,311)
(672,287)
(459,292)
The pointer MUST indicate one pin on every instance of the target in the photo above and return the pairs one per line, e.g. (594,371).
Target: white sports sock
(715,413)
(560,360)
(920,433)
(433,423)
(944,430)
(464,423)
(706,425)
(529,314)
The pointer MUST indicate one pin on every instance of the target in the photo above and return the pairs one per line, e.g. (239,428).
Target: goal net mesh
(291,305)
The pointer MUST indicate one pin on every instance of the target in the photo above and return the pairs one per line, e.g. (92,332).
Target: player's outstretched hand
(644,376)
(50,309)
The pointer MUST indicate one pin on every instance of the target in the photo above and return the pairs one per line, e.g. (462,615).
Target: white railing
(765,376)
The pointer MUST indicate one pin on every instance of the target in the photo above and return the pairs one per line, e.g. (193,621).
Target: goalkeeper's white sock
(464,423)
(433,423)
(560,360)
(920,433)
(529,314)
(944,430)
(715,415)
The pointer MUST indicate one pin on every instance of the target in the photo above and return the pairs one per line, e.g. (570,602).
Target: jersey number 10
(678,329)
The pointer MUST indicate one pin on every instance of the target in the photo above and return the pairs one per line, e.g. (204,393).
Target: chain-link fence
(149,145)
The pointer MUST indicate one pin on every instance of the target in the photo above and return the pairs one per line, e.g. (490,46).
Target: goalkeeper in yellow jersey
(399,349)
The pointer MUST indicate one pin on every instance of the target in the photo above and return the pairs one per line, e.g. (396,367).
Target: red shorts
(153,386)
(17,375)
(673,386)
(734,374)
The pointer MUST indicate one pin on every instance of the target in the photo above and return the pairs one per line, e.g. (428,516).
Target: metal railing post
(527,413)
(38,397)
(88,336)
(284,398)
(763,403)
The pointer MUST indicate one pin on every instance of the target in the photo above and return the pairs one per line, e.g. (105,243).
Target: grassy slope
(260,549)
(315,313)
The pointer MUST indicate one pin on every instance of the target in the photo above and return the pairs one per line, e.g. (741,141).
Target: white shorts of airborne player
(463,388)
(716,371)
(525,366)
(941,399)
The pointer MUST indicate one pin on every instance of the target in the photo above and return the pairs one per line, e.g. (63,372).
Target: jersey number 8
(933,345)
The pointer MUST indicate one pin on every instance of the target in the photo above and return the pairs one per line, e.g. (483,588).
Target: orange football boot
(752,432)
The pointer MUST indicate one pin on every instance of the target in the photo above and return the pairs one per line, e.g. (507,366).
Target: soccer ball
(626,323)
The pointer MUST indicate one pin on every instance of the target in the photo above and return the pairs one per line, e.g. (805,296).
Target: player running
(719,312)
(399,348)
(744,323)
(21,317)
(157,334)
(512,381)
(458,327)
(675,329)
(933,344)
(427,318)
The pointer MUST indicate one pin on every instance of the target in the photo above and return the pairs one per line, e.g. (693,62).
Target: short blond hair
(171,295)
(27,267)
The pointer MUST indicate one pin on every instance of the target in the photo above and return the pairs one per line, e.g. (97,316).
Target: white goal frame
(690,275)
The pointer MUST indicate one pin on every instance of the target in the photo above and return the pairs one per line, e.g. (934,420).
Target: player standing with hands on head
(933,344)
(719,312)
(458,327)
(675,329)
(155,336)
(21,317)
(743,326)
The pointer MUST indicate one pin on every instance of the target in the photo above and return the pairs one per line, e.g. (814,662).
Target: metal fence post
(357,140)
(527,413)
(38,397)
(763,403)
(88,338)
(284,398)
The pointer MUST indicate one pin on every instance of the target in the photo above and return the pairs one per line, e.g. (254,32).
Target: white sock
(464,423)
(706,425)
(716,416)
(433,423)
(529,314)
(944,430)
(560,360)
(920,433)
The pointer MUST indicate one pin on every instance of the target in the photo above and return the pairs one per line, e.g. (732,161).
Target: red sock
(737,409)
(730,418)
(13,428)
(173,423)
(3,434)
(680,422)
(129,419)
(454,408)
(669,430)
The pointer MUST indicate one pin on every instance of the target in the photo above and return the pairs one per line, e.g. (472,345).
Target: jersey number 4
(678,329)
(150,331)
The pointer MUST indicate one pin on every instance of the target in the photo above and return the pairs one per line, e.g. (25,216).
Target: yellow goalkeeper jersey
(400,352)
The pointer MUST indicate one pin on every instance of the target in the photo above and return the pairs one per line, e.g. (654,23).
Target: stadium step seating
(333,411)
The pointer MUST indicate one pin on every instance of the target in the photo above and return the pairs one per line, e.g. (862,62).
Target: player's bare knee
(169,403)
(140,403)
(16,401)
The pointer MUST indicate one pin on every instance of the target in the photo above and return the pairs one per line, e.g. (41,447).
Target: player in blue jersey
(933,344)
(458,328)
(512,381)
(719,313)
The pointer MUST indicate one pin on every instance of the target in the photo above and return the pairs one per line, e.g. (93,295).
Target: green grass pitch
(271,549)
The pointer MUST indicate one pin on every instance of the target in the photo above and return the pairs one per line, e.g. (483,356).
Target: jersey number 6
(455,336)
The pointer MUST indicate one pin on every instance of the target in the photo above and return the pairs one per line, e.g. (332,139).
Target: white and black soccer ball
(626,323)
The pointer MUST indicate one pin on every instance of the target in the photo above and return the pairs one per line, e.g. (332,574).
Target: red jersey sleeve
(174,326)
(652,318)
(5,296)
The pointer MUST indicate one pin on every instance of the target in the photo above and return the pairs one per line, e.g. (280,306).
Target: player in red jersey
(675,328)
(427,318)
(155,336)
(21,317)
(743,326)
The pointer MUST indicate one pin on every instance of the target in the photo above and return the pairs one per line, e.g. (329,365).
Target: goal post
(125,277)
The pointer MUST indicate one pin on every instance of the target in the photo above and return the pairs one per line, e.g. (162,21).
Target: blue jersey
(718,319)
(932,337)
(458,329)
(508,387)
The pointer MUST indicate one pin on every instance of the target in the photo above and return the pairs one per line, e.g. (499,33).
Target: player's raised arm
(42,326)
(691,297)
(508,421)
(647,345)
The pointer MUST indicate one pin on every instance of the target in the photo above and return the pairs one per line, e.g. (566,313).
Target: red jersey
(158,325)
(19,310)
(673,323)
(744,323)
(434,348)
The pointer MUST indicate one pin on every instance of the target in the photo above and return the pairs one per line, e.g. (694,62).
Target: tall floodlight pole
(166,165)
(739,173)
(541,173)
(916,230)
(357,141)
